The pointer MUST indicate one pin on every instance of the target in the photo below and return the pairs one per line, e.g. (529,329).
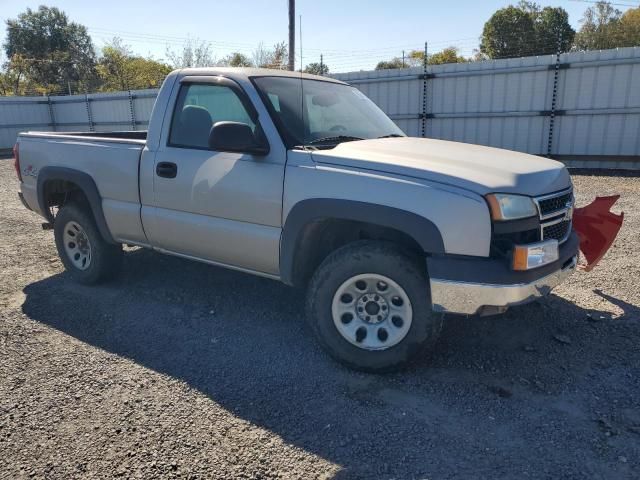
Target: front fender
(422,230)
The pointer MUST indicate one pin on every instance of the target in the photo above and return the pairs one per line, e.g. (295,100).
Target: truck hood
(476,168)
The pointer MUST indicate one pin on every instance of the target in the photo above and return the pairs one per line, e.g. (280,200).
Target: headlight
(510,207)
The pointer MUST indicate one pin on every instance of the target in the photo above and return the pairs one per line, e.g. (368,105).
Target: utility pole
(321,65)
(292,34)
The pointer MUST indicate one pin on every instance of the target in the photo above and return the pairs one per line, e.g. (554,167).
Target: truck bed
(110,159)
(137,135)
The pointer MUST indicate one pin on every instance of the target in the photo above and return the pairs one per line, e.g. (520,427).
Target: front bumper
(471,286)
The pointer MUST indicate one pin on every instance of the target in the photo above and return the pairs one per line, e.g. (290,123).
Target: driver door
(221,207)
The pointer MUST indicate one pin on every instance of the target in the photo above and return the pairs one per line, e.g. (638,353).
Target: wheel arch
(64,180)
(315,227)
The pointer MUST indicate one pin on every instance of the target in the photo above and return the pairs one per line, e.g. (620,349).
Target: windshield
(327,114)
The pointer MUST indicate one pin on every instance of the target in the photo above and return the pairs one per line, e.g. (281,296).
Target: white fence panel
(18,114)
(70,113)
(509,103)
(143,101)
(502,103)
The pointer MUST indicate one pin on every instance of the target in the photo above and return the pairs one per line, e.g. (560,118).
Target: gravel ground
(184,370)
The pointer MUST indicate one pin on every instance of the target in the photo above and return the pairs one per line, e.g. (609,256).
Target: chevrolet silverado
(304,180)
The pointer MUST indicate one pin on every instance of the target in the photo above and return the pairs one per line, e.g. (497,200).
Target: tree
(416,59)
(6,82)
(600,27)
(509,32)
(15,79)
(316,68)
(448,55)
(278,57)
(260,56)
(526,29)
(630,28)
(236,59)
(552,26)
(390,64)
(606,27)
(193,54)
(58,52)
(113,67)
(119,69)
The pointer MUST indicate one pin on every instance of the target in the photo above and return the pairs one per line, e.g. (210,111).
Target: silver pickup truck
(305,180)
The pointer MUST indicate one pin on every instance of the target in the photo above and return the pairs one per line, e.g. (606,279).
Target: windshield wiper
(392,135)
(336,138)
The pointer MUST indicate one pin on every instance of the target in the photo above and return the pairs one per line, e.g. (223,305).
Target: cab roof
(247,73)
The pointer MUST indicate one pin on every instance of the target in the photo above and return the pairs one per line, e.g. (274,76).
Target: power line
(156,38)
(162,38)
(610,3)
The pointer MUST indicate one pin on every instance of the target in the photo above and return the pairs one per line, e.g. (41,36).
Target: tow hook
(597,228)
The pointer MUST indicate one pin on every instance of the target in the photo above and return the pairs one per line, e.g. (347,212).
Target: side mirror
(236,137)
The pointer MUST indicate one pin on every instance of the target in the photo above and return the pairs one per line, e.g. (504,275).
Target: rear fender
(85,183)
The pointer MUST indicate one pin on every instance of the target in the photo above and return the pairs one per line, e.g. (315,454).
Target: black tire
(380,258)
(105,258)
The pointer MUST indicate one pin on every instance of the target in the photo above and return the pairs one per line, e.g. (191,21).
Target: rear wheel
(87,256)
(369,305)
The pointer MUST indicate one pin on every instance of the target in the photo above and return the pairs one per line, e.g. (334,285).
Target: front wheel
(369,305)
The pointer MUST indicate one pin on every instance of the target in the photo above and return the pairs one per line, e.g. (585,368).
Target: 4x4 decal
(30,171)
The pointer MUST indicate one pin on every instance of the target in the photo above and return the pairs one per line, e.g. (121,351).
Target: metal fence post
(51,115)
(424,92)
(89,116)
(132,111)
(554,96)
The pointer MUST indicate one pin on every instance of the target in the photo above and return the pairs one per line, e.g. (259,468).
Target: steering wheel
(338,128)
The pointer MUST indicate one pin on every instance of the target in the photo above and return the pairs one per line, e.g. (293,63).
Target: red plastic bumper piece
(597,228)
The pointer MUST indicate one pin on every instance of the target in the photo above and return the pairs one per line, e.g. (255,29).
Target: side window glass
(198,108)
(275,101)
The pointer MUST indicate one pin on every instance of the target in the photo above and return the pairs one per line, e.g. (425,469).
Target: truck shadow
(241,341)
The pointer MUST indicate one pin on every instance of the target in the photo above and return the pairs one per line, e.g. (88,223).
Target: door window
(198,108)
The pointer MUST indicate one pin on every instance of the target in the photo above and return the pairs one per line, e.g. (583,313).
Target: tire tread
(368,251)
(106,257)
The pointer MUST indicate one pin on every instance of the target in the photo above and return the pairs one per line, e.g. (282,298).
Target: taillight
(16,161)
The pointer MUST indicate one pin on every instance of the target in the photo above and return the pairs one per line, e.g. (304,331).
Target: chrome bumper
(470,298)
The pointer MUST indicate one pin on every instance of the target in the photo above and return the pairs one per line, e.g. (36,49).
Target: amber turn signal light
(526,257)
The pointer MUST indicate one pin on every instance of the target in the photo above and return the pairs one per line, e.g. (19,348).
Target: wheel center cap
(372,308)
(83,244)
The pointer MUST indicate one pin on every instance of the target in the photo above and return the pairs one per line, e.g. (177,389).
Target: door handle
(167,169)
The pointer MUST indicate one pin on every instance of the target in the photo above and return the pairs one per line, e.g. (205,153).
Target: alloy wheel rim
(372,312)
(77,245)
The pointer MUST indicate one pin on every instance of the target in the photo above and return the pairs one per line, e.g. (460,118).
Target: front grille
(557,231)
(556,211)
(551,205)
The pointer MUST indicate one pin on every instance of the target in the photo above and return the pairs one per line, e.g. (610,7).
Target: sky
(351,34)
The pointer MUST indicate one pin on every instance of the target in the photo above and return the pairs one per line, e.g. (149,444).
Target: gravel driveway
(184,370)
